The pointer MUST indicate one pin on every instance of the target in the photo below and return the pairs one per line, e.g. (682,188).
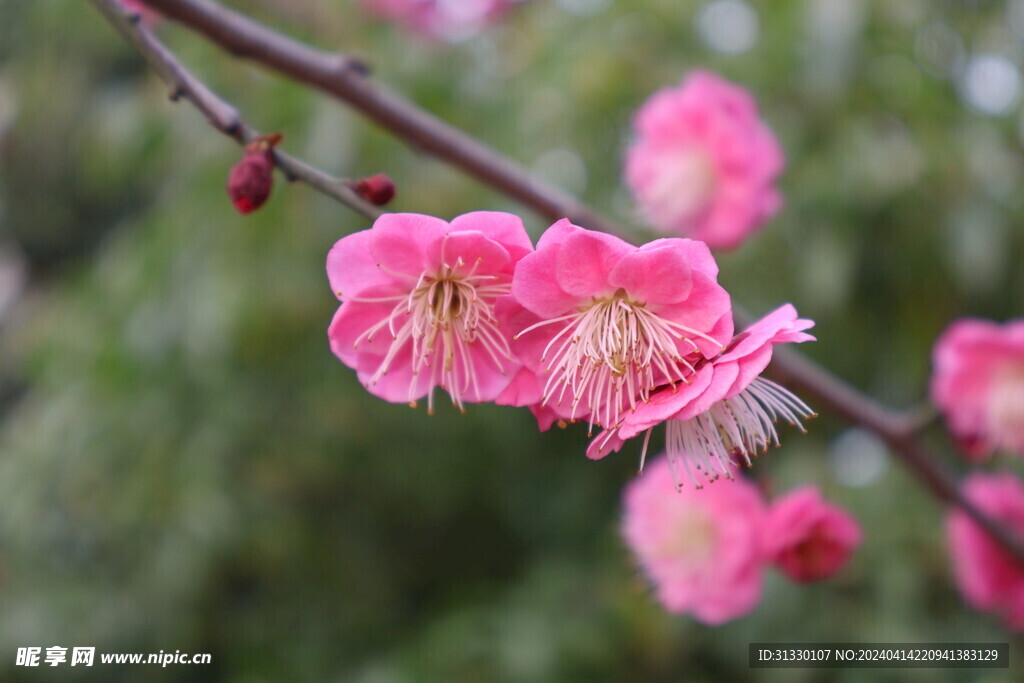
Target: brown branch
(219,113)
(347,80)
(900,431)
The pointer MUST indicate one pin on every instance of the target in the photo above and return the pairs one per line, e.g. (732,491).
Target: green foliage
(190,468)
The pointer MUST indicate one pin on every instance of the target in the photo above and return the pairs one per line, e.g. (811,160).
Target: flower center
(683,185)
(1006,406)
(444,317)
(611,353)
(693,538)
(817,555)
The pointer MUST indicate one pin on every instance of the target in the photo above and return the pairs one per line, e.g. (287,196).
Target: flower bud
(808,539)
(377,189)
(252,178)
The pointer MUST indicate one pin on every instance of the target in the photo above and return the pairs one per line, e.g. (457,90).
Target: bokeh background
(184,464)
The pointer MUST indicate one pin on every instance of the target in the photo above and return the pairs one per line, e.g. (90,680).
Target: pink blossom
(704,164)
(807,538)
(978,384)
(419,305)
(448,20)
(601,323)
(699,548)
(725,410)
(987,575)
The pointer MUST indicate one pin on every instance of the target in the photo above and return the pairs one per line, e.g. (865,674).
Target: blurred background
(185,465)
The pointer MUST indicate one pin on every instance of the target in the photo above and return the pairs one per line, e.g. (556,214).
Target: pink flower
(978,384)
(447,20)
(418,304)
(988,576)
(724,411)
(807,538)
(603,322)
(704,164)
(699,548)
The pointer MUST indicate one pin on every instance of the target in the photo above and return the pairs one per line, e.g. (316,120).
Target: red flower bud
(252,178)
(377,189)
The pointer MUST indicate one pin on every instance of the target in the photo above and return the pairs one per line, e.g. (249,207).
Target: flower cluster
(585,328)
(978,384)
(706,551)
(704,164)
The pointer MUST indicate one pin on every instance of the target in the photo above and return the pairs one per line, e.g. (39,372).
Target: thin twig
(346,79)
(219,113)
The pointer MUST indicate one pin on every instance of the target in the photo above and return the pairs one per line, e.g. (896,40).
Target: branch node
(231,127)
(345,64)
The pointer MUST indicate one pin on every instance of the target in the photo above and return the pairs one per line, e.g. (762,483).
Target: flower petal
(504,228)
(605,444)
(399,384)
(489,379)
(656,276)
(545,417)
(778,327)
(523,390)
(707,309)
(352,269)
(472,249)
(557,233)
(721,382)
(401,242)
(350,322)
(585,259)
(535,285)
(697,254)
(666,403)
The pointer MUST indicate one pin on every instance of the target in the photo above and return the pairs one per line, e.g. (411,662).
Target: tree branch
(219,113)
(347,80)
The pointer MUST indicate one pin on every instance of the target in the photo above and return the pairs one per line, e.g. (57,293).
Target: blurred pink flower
(724,411)
(447,20)
(808,539)
(699,548)
(418,304)
(603,322)
(978,384)
(989,577)
(704,164)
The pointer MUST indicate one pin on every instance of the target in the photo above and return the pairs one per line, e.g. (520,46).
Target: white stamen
(445,316)
(733,429)
(611,354)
